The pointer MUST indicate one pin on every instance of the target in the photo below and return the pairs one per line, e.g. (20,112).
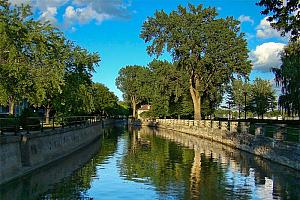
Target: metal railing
(15,125)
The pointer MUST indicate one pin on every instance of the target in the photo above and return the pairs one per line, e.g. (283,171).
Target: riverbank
(21,154)
(282,152)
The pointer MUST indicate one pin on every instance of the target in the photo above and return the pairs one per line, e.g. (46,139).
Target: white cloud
(264,30)
(73,29)
(244,18)
(266,56)
(49,15)
(19,2)
(47,8)
(82,11)
(83,15)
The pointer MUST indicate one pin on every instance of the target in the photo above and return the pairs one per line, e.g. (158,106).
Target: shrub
(9,123)
(30,120)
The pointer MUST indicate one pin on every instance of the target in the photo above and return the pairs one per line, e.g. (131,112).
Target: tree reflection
(77,185)
(173,170)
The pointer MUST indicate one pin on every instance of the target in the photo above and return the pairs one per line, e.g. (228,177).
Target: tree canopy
(40,66)
(209,50)
(237,93)
(133,82)
(285,16)
(288,76)
(262,97)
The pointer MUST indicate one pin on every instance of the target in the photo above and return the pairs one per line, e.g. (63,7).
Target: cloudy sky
(112,28)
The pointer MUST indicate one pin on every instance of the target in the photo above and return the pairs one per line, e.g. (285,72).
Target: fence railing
(15,125)
(278,131)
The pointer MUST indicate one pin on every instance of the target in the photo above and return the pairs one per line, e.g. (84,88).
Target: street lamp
(245,94)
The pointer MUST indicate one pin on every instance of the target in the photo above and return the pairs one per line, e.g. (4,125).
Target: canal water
(132,163)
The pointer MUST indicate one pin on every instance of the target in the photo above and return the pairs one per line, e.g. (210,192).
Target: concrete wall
(44,178)
(22,154)
(282,152)
(10,157)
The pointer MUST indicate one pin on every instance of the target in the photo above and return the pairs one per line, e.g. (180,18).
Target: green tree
(14,64)
(209,50)
(133,82)
(237,93)
(3,96)
(168,85)
(76,96)
(39,65)
(288,77)
(285,15)
(105,101)
(262,97)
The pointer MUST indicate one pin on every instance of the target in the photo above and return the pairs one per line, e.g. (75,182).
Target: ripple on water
(151,164)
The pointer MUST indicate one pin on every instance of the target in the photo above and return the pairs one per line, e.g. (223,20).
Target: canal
(133,163)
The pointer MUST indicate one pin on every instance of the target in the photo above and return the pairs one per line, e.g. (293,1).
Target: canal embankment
(239,136)
(22,153)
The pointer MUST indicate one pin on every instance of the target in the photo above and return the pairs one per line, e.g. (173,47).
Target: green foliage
(262,97)
(76,96)
(105,101)
(29,120)
(236,95)
(14,63)
(3,95)
(288,76)
(284,15)
(134,83)
(121,109)
(168,85)
(10,123)
(209,50)
(38,64)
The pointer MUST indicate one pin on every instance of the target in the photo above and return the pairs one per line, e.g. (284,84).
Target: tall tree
(105,101)
(288,77)
(208,49)
(77,93)
(133,82)
(49,52)
(237,93)
(14,64)
(285,15)
(168,85)
(262,97)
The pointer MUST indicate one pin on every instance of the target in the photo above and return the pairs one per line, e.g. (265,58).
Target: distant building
(142,109)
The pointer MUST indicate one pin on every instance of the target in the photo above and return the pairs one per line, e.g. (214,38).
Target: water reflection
(186,167)
(69,178)
(150,164)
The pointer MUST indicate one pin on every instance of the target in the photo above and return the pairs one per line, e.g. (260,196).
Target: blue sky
(112,28)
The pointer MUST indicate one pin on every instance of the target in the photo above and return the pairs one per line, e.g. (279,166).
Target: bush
(9,123)
(30,120)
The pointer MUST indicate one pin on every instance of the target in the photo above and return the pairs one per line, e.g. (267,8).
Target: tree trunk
(196,102)
(11,105)
(239,111)
(133,103)
(47,114)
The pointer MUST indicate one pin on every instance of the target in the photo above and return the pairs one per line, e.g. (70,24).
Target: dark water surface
(150,164)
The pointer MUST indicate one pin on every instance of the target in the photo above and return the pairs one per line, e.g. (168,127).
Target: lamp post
(245,94)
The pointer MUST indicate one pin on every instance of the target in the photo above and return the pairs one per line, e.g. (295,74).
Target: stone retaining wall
(22,154)
(282,152)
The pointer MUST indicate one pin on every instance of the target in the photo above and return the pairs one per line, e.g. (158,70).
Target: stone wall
(285,153)
(20,155)
(10,157)
(44,178)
